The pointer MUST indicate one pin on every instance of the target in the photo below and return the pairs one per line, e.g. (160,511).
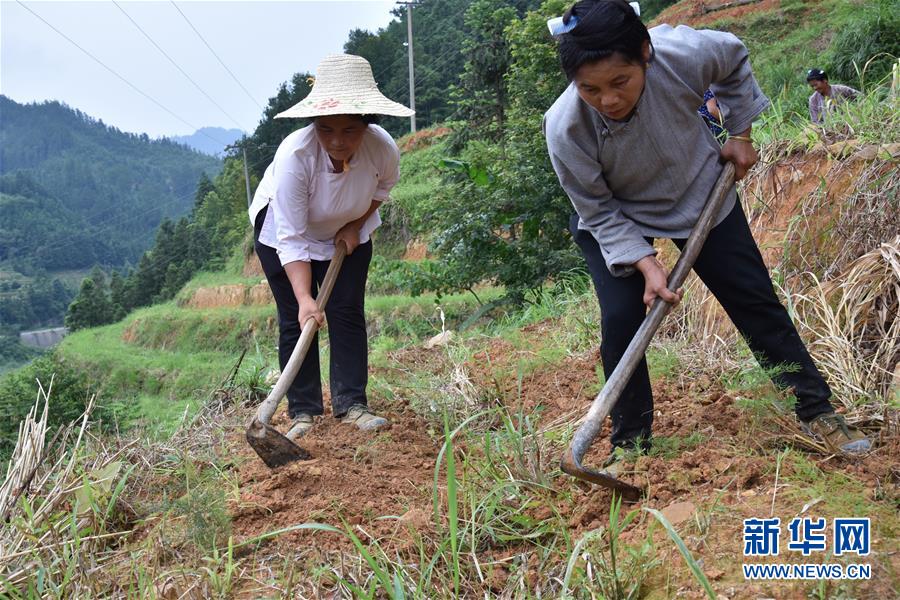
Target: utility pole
(246,177)
(412,75)
(240,145)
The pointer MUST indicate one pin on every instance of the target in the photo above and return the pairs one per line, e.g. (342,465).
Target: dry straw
(853,322)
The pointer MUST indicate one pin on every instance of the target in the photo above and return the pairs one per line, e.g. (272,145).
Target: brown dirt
(354,476)
(358,479)
(422,138)
(415,251)
(231,295)
(252,267)
(789,184)
(691,12)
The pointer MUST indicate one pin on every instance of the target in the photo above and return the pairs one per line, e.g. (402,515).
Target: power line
(448,57)
(177,66)
(216,55)
(131,85)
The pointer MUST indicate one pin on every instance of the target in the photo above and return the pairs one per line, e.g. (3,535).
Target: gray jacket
(819,105)
(651,176)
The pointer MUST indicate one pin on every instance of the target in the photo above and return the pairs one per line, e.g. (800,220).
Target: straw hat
(344,85)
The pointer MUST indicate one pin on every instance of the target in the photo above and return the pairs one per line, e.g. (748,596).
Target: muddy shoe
(302,423)
(832,430)
(366,420)
(620,462)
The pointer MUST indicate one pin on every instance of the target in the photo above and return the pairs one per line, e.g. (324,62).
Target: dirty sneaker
(832,430)
(620,461)
(362,417)
(302,423)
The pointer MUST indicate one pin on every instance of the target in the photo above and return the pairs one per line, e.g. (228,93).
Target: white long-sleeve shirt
(308,202)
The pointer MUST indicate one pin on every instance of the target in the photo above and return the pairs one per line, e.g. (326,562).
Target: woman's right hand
(310,310)
(656,281)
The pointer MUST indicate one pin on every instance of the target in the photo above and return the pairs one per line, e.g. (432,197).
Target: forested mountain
(114,187)
(210,140)
(74,193)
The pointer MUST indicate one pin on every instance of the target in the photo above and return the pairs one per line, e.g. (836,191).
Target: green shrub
(873,35)
(19,389)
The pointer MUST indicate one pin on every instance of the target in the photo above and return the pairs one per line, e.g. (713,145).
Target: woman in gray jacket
(638,163)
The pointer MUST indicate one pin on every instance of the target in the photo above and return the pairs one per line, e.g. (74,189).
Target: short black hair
(817,74)
(604,28)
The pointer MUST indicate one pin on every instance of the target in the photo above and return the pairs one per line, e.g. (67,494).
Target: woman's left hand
(741,153)
(349,234)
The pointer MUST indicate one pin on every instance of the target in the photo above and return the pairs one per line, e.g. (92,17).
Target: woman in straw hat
(324,186)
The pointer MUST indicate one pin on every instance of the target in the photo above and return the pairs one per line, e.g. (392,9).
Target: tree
(481,95)
(261,146)
(204,186)
(92,306)
(503,214)
(118,296)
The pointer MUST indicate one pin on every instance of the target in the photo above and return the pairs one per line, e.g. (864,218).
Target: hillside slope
(462,497)
(512,388)
(118,186)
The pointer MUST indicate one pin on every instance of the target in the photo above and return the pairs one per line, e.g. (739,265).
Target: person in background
(324,186)
(825,95)
(637,164)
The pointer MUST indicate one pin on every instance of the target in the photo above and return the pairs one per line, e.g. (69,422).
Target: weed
(618,571)
(688,557)
(202,505)
(672,446)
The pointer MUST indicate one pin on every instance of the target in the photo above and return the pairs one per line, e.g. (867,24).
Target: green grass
(785,42)
(229,330)
(839,494)
(418,318)
(663,361)
(176,356)
(673,446)
(143,384)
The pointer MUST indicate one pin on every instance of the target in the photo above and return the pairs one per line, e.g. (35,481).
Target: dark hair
(367,119)
(604,28)
(817,74)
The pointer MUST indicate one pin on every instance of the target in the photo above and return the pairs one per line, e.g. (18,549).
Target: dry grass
(838,274)
(853,326)
(56,501)
(84,518)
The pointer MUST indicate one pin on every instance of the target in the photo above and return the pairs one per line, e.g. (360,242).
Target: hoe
(606,399)
(274,448)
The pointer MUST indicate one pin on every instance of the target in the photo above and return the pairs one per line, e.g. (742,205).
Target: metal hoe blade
(571,462)
(272,447)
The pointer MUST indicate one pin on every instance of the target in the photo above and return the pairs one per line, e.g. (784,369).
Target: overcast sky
(261,43)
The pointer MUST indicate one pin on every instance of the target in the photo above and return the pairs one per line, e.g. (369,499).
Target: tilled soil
(383,483)
(380,481)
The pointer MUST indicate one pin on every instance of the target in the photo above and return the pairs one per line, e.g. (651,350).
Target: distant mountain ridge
(114,187)
(74,193)
(210,140)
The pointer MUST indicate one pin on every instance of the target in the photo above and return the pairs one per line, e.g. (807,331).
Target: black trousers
(732,267)
(345,312)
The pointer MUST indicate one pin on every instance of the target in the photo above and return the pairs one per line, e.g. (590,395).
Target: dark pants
(732,267)
(345,313)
